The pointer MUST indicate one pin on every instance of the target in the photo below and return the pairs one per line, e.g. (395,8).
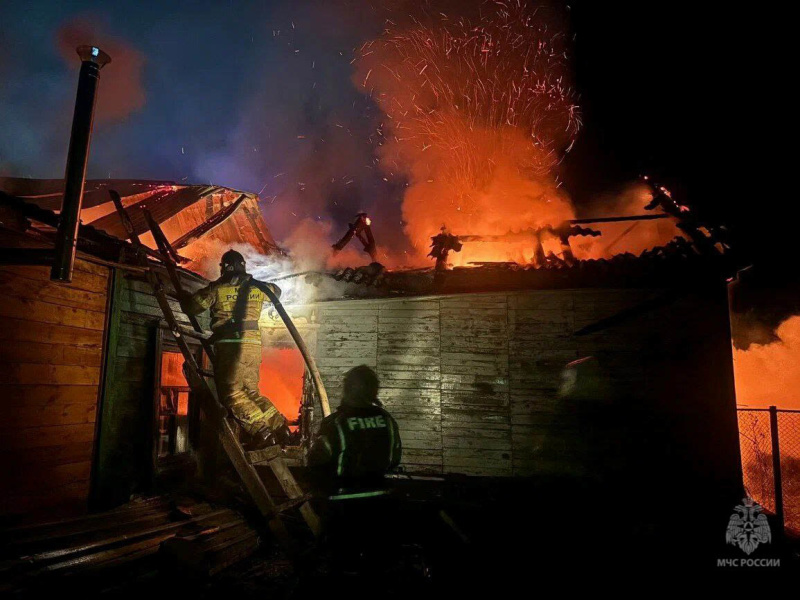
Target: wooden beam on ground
(211,550)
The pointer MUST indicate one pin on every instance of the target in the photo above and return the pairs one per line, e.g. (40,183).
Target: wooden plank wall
(475,385)
(545,435)
(399,339)
(125,445)
(443,364)
(474,379)
(50,366)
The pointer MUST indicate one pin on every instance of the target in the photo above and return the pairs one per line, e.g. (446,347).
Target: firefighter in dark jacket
(236,300)
(355,447)
(358,443)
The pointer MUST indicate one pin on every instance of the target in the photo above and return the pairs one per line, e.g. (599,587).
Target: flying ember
(477,116)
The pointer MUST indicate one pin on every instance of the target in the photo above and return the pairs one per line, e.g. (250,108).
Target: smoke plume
(634,237)
(767,373)
(122,86)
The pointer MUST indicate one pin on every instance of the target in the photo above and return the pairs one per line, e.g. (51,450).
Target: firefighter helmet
(232,261)
(361,386)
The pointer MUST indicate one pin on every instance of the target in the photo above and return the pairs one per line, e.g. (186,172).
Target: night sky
(251,94)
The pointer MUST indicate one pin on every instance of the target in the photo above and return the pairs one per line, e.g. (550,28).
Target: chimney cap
(93,54)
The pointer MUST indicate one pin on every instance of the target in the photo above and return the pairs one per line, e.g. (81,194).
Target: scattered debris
(441,245)
(362,229)
(211,538)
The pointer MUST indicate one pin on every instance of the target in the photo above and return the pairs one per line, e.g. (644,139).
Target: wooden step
(291,455)
(279,460)
(293,490)
(262,457)
(293,503)
(294,456)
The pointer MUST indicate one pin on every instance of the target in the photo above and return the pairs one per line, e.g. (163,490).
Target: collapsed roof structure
(185,212)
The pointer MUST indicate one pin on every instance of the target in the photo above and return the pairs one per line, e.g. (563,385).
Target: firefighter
(236,300)
(355,447)
(359,442)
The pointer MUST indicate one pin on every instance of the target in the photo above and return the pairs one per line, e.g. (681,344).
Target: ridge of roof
(674,264)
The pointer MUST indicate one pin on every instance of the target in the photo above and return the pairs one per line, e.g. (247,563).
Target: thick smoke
(767,373)
(123,90)
(309,252)
(301,133)
(634,237)
(459,116)
(765,326)
(271,108)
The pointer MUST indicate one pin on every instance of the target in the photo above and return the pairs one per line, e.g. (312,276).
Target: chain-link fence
(770,444)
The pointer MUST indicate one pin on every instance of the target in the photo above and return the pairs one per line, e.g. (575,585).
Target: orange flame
(281,379)
(767,374)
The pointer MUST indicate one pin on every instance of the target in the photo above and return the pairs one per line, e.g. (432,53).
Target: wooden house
(96,406)
(617,372)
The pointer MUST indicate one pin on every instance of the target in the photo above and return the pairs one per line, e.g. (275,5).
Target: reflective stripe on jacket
(357,444)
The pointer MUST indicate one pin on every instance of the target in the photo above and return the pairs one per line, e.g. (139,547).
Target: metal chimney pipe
(92,60)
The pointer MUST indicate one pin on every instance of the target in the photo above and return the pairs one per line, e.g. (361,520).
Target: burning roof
(677,263)
(26,225)
(699,253)
(182,210)
(47,193)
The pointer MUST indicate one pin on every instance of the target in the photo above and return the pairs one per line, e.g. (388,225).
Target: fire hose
(301,345)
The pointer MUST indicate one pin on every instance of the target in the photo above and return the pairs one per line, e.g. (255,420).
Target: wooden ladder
(275,458)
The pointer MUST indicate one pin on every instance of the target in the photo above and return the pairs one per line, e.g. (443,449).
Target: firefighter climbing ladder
(244,462)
